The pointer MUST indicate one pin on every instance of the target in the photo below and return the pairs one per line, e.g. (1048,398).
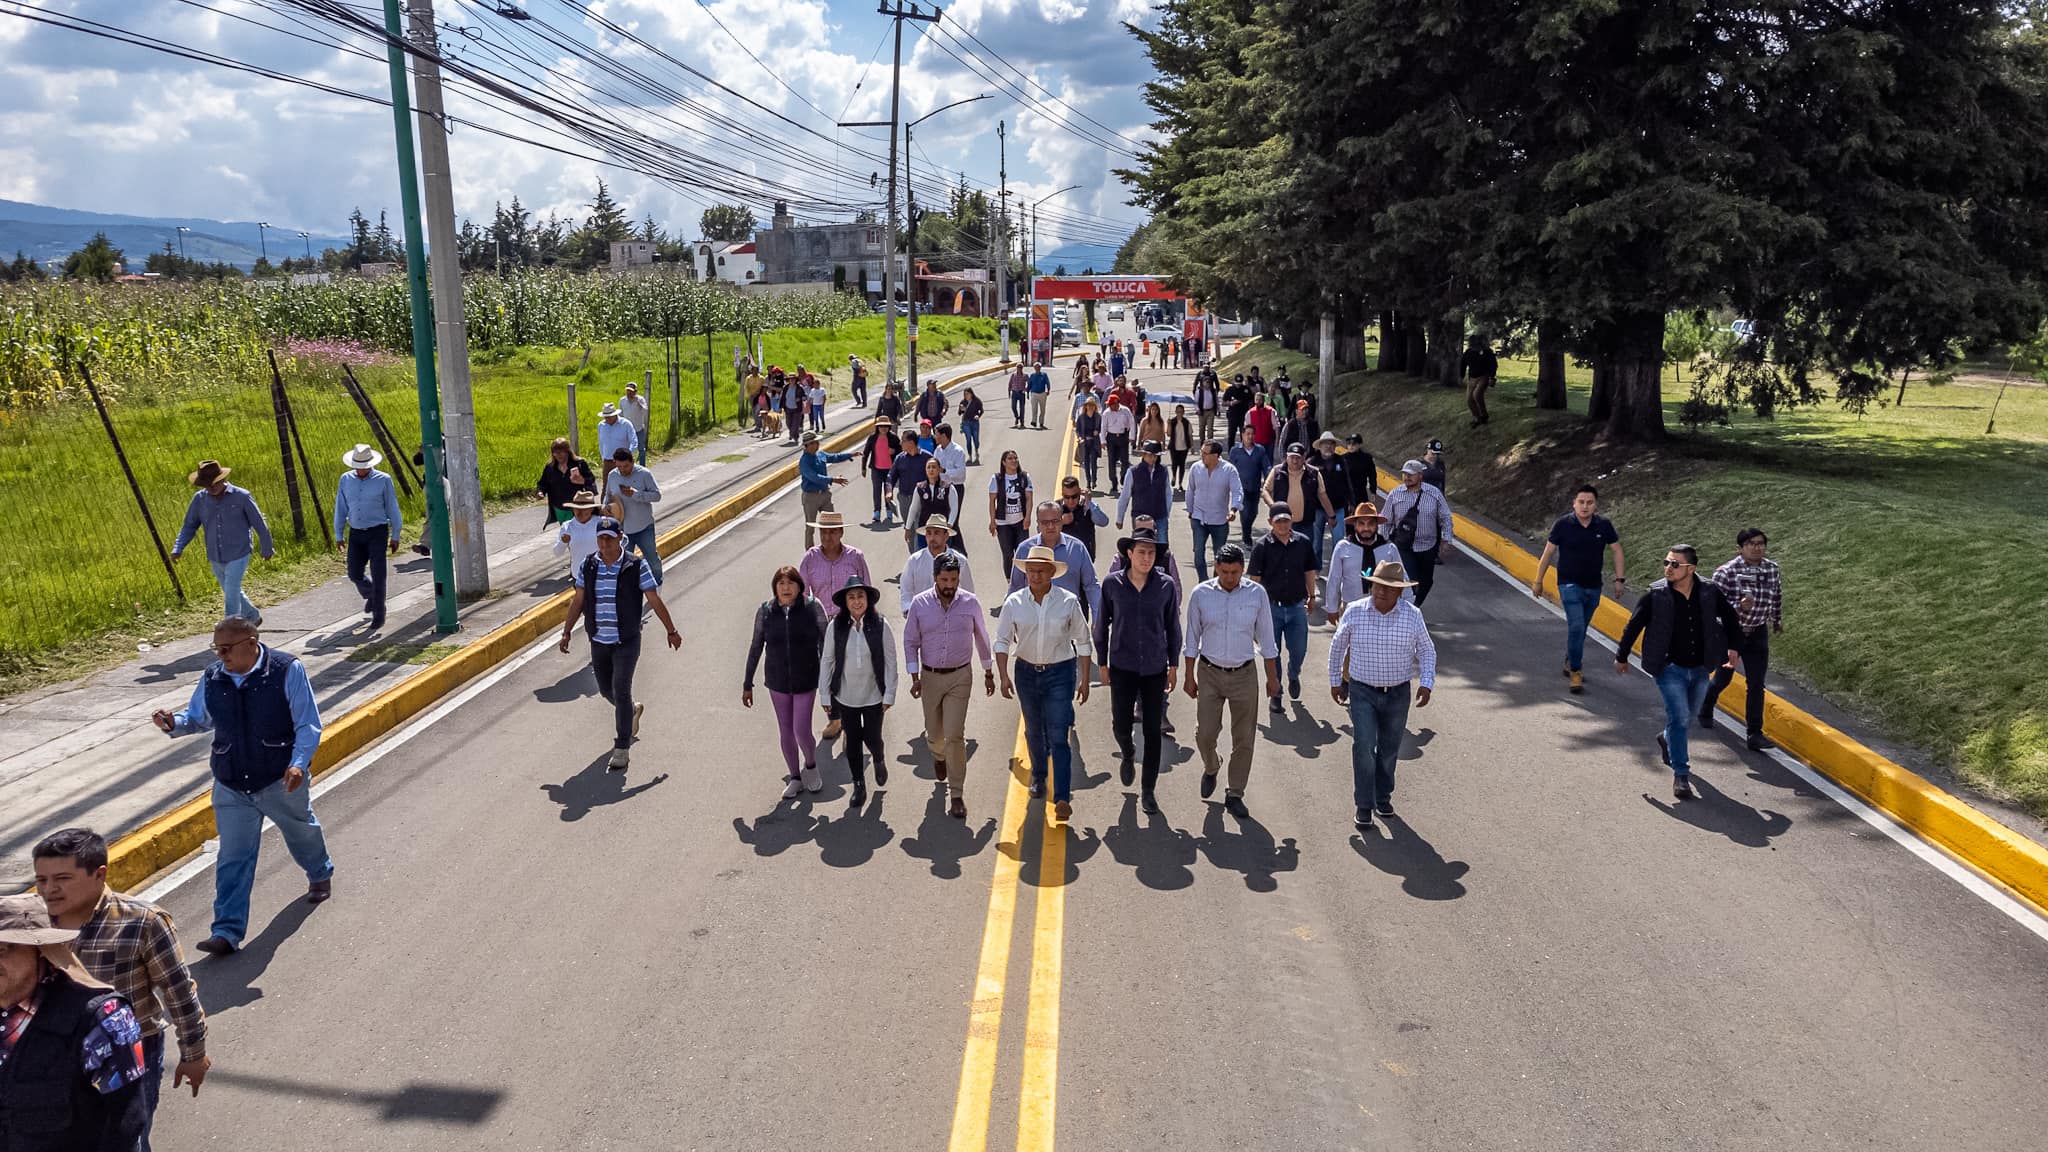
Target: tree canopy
(727,223)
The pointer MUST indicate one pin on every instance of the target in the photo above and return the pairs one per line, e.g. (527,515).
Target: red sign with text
(1041,333)
(1101,288)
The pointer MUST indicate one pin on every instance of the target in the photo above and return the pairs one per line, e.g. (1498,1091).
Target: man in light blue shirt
(1079,578)
(229,515)
(614,432)
(815,483)
(1215,493)
(367,525)
(259,704)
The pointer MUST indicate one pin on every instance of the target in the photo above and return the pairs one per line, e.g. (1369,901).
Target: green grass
(80,581)
(401,652)
(1908,537)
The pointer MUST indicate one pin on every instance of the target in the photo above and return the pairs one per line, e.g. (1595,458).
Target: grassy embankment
(83,580)
(1908,536)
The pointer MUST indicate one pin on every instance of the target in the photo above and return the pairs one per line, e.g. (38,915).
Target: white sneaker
(638,708)
(617,763)
(814,781)
(791,785)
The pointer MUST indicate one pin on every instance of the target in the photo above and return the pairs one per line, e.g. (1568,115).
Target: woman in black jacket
(971,409)
(564,475)
(789,628)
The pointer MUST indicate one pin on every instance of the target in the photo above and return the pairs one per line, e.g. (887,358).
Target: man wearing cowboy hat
(1137,644)
(1380,647)
(942,633)
(918,572)
(578,536)
(609,588)
(1355,556)
(614,432)
(1147,486)
(829,564)
(814,483)
(367,525)
(71,1066)
(1045,635)
(229,514)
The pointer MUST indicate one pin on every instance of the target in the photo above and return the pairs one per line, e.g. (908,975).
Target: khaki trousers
(814,503)
(945,696)
(1239,687)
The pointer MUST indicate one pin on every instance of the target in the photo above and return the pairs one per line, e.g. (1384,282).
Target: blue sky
(89,124)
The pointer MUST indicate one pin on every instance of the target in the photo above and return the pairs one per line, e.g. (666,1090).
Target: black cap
(1296,450)
(1436,446)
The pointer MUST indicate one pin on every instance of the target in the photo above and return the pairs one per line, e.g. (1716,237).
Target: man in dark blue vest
(609,588)
(1148,487)
(259,705)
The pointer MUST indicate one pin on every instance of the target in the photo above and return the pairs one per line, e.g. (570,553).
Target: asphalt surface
(1541,951)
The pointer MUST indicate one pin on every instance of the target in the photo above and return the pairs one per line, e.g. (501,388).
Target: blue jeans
(1047,701)
(643,543)
(1017,407)
(1318,527)
(1684,690)
(1290,631)
(1379,717)
(152,1084)
(1207,537)
(970,431)
(239,818)
(229,577)
(1579,604)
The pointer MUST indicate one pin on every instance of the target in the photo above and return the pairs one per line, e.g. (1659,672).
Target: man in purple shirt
(942,633)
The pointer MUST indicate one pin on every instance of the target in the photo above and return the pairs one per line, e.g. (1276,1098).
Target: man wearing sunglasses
(1688,629)
(259,705)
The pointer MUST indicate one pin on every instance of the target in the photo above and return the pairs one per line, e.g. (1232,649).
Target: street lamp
(910,240)
(1031,262)
(261,246)
(181,240)
(309,250)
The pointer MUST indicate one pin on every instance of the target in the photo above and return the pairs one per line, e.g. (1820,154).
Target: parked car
(1116,311)
(1159,332)
(1062,334)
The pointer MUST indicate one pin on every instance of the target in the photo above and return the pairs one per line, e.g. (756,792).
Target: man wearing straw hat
(1381,646)
(815,484)
(1354,558)
(71,1065)
(919,572)
(613,433)
(229,514)
(367,525)
(609,589)
(1044,634)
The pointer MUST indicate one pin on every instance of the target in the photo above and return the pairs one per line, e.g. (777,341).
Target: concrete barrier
(165,839)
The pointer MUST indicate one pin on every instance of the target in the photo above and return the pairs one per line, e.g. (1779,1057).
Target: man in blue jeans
(1285,566)
(1043,634)
(1574,546)
(1381,646)
(230,516)
(1687,626)
(260,703)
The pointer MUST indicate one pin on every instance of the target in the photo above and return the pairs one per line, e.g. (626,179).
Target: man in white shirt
(1352,560)
(1215,492)
(1228,631)
(952,460)
(633,409)
(1380,646)
(918,572)
(1045,635)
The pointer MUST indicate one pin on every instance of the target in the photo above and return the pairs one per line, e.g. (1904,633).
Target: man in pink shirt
(942,634)
(826,566)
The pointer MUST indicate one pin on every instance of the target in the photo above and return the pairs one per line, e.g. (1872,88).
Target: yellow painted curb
(165,839)
(2014,862)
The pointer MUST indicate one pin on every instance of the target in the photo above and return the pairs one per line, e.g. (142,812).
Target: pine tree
(99,260)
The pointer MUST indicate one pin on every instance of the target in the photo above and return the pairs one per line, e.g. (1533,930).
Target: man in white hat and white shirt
(633,410)
(917,572)
(614,432)
(1381,647)
(1044,638)
(578,534)
(367,525)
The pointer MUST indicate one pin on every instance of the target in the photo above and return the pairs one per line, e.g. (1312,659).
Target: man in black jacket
(1687,627)
(70,1050)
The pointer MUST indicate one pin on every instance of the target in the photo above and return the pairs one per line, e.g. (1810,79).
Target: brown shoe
(939,769)
(958,811)
(319,891)
(831,731)
(1578,682)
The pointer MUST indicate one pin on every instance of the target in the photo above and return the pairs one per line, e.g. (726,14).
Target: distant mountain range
(50,234)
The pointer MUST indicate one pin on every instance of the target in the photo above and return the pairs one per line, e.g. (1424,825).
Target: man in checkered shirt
(1380,646)
(1751,583)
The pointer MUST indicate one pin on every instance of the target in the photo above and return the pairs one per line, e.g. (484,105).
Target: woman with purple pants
(789,628)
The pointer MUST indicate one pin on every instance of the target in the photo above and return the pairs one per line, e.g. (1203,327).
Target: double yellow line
(1039,1087)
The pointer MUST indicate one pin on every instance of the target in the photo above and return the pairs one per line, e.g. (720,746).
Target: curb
(2001,855)
(165,839)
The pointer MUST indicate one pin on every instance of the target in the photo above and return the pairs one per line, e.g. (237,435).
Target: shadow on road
(1396,849)
(1250,851)
(1300,730)
(230,981)
(945,841)
(1158,852)
(574,686)
(1080,847)
(1716,811)
(853,839)
(788,824)
(594,787)
(433,1103)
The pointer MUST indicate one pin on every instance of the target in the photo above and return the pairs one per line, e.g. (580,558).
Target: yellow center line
(985,1015)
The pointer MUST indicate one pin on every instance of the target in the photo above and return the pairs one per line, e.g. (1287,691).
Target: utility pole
(910,253)
(422,325)
(902,11)
(458,409)
(1000,240)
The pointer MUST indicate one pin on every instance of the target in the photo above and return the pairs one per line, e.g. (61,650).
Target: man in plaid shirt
(1381,645)
(1751,583)
(132,946)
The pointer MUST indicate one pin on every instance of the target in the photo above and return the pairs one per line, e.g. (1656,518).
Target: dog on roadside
(771,424)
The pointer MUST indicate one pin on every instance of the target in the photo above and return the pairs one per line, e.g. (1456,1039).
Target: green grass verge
(81,579)
(1907,535)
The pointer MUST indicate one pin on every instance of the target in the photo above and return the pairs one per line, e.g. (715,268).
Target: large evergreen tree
(98,260)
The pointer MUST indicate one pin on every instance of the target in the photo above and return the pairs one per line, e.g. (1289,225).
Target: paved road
(1542,952)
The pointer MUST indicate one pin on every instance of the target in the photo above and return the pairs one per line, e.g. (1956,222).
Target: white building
(734,263)
(631,254)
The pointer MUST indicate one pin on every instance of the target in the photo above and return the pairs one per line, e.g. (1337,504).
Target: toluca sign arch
(1101,288)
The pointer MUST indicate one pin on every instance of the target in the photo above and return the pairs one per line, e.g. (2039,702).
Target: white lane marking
(208,851)
(2018,911)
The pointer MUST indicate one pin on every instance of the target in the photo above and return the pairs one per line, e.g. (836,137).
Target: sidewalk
(85,753)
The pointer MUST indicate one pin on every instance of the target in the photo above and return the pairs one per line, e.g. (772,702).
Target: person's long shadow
(1716,811)
(945,841)
(1301,730)
(1412,746)
(1250,851)
(594,787)
(1424,873)
(853,839)
(1083,782)
(788,824)
(177,669)
(1158,852)
(574,686)
(230,981)
(1076,848)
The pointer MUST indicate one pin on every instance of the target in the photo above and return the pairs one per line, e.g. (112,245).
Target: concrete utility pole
(1000,240)
(1326,367)
(902,11)
(458,409)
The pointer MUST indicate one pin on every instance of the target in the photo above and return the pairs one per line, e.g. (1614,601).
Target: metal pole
(284,447)
(910,258)
(889,232)
(1001,240)
(1326,366)
(133,487)
(312,489)
(422,327)
(469,555)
